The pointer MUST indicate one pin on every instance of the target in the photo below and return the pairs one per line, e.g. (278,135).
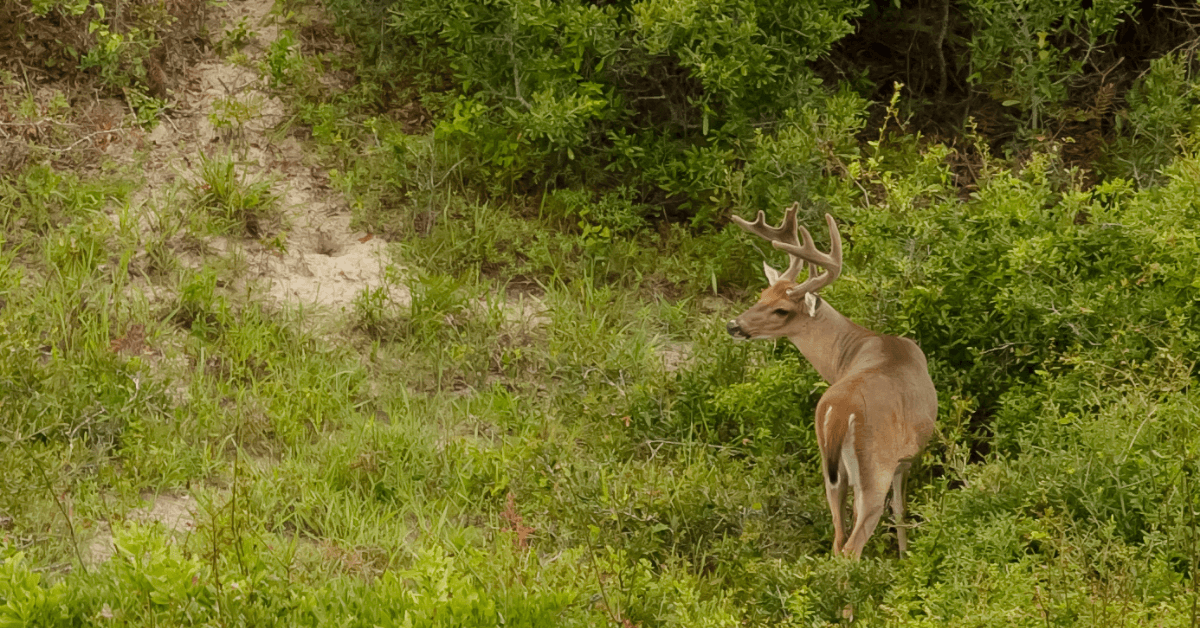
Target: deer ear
(812,301)
(771,273)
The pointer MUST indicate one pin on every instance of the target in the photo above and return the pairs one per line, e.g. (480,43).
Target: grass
(443,429)
(238,205)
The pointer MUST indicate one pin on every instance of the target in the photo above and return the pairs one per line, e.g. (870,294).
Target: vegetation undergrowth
(537,418)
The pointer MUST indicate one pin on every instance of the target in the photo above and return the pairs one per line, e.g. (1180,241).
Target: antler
(784,237)
(831,262)
(785,233)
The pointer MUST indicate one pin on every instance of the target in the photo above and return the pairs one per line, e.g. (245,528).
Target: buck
(879,410)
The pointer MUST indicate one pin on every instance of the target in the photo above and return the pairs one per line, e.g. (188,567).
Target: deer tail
(832,434)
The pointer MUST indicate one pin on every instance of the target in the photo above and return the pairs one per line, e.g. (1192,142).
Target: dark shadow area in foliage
(926,46)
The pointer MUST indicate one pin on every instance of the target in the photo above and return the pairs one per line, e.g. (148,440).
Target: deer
(878,413)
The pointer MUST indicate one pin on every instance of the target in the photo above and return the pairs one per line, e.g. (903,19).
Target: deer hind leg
(898,507)
(870,495)
(835,493)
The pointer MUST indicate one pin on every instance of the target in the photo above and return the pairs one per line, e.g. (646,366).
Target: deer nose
(733,328)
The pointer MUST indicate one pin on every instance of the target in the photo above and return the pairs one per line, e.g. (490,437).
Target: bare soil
(322,262)
(317,261)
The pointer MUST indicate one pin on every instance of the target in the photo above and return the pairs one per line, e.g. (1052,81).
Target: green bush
(660,97)
(700,107)
(722,402)
(1162,118)
(23,599)
(1026,52)
(1031,276)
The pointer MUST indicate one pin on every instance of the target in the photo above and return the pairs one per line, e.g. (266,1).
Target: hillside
(413,314)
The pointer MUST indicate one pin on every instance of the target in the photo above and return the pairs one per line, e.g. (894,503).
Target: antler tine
(831,262)
(808,241)
(784,234)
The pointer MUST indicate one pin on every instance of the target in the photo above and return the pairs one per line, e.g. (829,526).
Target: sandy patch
(527,313)
(176,513)
(675,355)
(326,263)
(222,108)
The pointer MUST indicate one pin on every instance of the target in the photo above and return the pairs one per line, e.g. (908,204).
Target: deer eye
(781,312)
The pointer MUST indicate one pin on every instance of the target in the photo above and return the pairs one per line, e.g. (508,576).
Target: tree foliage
(682,101)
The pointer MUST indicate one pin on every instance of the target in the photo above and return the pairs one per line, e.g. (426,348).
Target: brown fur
(882,381)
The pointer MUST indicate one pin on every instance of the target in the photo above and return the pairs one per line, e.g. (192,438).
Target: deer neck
(829,342)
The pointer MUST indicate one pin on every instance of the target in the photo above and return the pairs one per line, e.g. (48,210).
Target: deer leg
(835,493)
(869,500)
(898,508)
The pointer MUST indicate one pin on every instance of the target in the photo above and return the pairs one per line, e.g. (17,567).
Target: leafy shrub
(661,97)
(155,580)
(1028,277)
(1163,116)
(708,105)
(614,214)
(1027,52)
(23,599)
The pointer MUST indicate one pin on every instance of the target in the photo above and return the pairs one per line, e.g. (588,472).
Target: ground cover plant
(531,414)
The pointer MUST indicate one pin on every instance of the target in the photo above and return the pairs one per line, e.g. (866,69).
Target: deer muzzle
(736,331)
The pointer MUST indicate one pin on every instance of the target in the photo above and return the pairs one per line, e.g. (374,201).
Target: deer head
(785,307)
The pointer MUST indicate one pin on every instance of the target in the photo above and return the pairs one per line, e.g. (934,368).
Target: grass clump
(238,204)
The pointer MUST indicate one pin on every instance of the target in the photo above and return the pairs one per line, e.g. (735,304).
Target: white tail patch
(849,459)
(825,424)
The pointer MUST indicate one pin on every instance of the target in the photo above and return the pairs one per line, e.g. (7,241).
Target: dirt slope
(322,265)
(324,262)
